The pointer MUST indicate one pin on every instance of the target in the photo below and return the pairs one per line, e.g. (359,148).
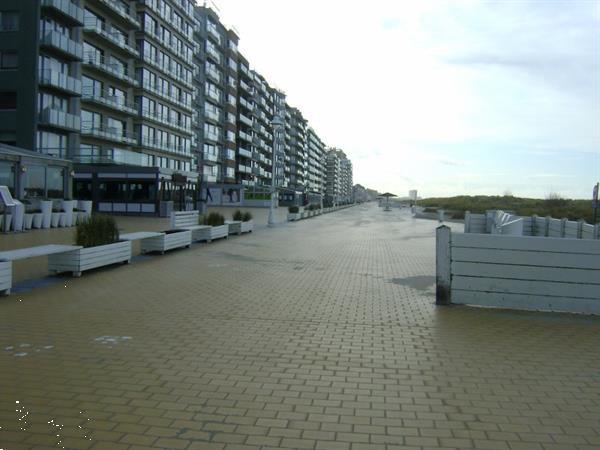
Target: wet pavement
(320,334)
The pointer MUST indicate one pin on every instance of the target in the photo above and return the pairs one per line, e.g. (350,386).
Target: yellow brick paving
(321,334)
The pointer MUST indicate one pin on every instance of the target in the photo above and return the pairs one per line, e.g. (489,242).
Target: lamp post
(278,124)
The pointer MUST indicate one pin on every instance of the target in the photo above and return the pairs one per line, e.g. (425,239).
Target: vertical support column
(580,223)
(443,276)
(467,221)
(547,231)
(534,225)
(597,231)
(563,227)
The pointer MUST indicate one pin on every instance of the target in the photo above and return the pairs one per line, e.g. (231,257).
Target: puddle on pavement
(112,340)
(24,349)
(419,282)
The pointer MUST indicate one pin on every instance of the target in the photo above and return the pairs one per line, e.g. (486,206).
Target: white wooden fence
(499,222)
(522,272)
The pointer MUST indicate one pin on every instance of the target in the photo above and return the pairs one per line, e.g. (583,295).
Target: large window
(9,20)
(9,60)
(91,86)
(35,181)
(113,190)
(90,120)
(46,100)
(55,177)
(53,144)
(7,175)
(93,54)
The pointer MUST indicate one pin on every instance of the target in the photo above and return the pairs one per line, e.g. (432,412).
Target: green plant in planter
(247,217)
(58,210)
(97,230)
(214,219)
(237,215)
(293,209)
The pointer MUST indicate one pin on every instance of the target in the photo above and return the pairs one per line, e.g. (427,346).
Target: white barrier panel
(559,274)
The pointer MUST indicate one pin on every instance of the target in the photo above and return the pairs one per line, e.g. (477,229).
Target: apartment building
(102,83)
(315,165)
(338,176)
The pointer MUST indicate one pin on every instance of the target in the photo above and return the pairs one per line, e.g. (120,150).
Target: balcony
(65,45)
(164,120)
(213,75)
(244,169)
(116,39)
(112,156)
(157,91)
(60,81)
(211,157)
(145,141)
(209,178)
(60,119)
(246,120)
(212,32)
(246,87)
(208,114)
(98,62)
(212,136)
(108,133)
(214,54)
(166,70)
(70,11)
(110,101)
(245,136)
(246,153)
(121,10)
(213,95)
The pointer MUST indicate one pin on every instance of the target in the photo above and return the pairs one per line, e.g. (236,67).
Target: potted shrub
(247,223)
(99,238)
(218,228)
(293,213)
(169,240)
(241,223)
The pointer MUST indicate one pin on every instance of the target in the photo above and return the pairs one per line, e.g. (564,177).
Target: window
(116,127)
(91,86)
(90,120)
(35,181)
(55,182)
(8,100)
(113,190)
(46,100)
(92,54)
(53,144)
(9,20)
(9,60)
(7,176)
(82,189)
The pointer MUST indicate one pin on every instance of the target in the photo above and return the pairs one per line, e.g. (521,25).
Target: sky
(457,97)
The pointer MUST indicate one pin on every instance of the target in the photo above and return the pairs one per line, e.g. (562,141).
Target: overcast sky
(447,97)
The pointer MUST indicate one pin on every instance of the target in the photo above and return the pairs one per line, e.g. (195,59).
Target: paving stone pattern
(320,334)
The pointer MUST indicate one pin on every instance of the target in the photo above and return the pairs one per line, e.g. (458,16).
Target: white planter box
(28,221)
(303,215)
(88,258)
(248,226)
(85,205)
(46,208)
(38,218)
(62,219)
(5,277)
(168,241)
(293,217)
(235,226)
(210,233)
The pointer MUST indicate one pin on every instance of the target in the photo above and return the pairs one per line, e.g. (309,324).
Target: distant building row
(150,99)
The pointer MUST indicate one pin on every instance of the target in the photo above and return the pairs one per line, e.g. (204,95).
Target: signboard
(6,196)
(595,203)
(413,195)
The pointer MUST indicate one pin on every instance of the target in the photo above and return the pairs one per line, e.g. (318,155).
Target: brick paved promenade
(320,334)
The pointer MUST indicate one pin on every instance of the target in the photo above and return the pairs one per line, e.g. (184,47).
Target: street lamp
(278,124)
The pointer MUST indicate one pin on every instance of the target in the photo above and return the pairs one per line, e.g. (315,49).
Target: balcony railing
(117,39)
(245,120)
(122,10)
(60,81)
(67,8)
(156,90)
(211,115)
(60,119)
(145,141)
(210,157)
(165,120)
(98,61)
(112,101)
(167,70)
(212,136)
(243,152)
(112,156)
(214,33)
(63,43)
(216,55)
(108,133)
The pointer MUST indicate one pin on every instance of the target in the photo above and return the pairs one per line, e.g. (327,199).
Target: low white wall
(555,274)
